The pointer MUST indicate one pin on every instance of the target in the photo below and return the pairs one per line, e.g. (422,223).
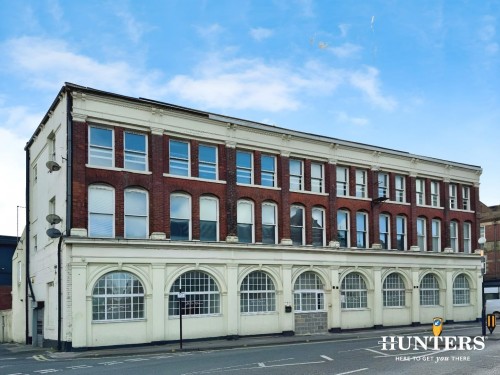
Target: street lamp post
(481,242)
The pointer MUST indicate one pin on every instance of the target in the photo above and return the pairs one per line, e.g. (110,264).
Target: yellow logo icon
(437,326)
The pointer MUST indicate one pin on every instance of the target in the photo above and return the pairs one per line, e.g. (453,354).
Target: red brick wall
(160,187)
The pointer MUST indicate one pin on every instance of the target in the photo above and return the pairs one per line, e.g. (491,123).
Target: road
(341,357)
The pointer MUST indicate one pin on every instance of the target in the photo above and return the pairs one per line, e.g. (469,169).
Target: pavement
(453,329)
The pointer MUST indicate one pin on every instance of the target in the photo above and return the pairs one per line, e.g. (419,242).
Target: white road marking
(326,357)
(352,372)
(261,364)
(136,359)
(379,353)
(111,363)
(78,367)
(7,359)
(41,357)
(46,371)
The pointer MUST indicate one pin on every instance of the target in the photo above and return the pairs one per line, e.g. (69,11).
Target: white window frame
(210,166)
(400,188)
(317,180)
(303,232)
(401,231)
(243,170)
(466,232)
(387,234)
(466,198)
(461,291)
(320,213)
(383,185)
(189,218)
(435,194)
(361,183)
(454,236)
(266,174)
(101,149)
(200,286)
(343,182)
(250,204)
(144,216)
(422,233)
(184,161)
(142,157)
(353,291)
(309,293)
(394,291)
(110,215)
(257,293)
(436,235)
(453,197)
(297,178)
(429,290)
(214,200)
(362,231)
(132,291)
(269,224)
(420,191)
(345,228)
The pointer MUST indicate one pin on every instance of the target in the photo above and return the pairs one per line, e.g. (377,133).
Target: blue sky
(417,76)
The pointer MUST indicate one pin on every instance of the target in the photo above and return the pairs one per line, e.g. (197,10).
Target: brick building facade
(298,232)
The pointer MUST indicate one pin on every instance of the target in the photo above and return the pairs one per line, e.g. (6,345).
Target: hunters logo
(405,343)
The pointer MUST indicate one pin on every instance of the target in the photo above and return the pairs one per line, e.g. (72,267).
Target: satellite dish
(52,166)
(53,219)
(54,233)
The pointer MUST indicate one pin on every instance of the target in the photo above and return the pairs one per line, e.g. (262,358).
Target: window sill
(118,321)
(118,169)
(259,313)
(461,210)
(195,316)
(193,178)
(309,192)
(259,186)
(428,206)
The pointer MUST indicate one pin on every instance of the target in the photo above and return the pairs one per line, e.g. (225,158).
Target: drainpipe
(69,209)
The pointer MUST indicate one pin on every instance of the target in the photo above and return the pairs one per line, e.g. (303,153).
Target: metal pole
(180,316)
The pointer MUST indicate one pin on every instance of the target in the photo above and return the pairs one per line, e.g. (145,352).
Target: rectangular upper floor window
(179,161)
(268,170)
(399,187)
(101,151)
(244,167)
(435,194)
(453,197)
(207,162)
(383,185)
(342,181)
(317,178)
(135,151)
(420,187)
(296,175)
(465,197)
(361,183)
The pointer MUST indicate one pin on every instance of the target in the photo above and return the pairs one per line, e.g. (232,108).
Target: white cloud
(367,81)
(344,118)
(133,28)
(12,192)
(20,119)
(47,63)
(211,31)
(261,33)
(344,28)
(216,83)
(345,50)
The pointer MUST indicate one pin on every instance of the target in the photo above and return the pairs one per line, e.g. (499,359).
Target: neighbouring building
(139,210)
(7,246)
(490,231)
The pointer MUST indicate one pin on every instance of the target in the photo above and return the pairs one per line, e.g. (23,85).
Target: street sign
(491,322)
